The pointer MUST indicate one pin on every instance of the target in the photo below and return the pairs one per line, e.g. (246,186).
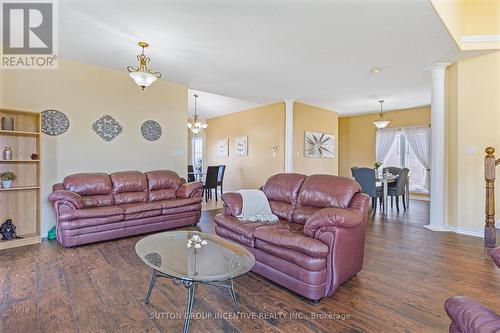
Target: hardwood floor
(409,271)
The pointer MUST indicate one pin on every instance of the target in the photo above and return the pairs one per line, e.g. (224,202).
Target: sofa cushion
(167,204)
(240,229)
(327,191)
(289,235)
(94,212)
(182,209)
(141,210)
(293,256)
(283,187)
(162,184)
(129,187)
(95,188)
(302,214)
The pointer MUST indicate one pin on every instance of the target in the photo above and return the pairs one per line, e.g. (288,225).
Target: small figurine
(8,230)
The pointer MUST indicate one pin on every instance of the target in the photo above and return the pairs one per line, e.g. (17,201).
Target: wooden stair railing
(490,164)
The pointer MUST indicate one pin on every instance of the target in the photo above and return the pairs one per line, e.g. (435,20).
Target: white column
(289,135)
(437,208)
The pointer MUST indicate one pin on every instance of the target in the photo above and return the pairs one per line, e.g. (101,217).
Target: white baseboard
(458,230)
(466,231)
(421,198)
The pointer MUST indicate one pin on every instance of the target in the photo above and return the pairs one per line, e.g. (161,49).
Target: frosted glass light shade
(143,79)
(381,123)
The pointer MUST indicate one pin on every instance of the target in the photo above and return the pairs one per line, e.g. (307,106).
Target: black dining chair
(366,178)
(211,182)
(220,177)
(400,188)
(191,177)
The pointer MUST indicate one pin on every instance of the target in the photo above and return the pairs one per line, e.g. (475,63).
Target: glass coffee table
(215,261)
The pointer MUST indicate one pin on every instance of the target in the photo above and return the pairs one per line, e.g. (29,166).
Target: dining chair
(366,178)
(191,177)
(400,188)
(220,177)
(392,170)
(211,182)
(352,170)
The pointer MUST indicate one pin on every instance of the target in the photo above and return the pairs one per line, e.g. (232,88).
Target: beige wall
(265,127)
(314,119)
(473,123)
(470,18)
(84,93)
(357,135)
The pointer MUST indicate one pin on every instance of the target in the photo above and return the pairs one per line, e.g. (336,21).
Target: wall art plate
(54,122)
(151,130)
(107,127)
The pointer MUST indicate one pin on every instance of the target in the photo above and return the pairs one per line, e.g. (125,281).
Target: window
(197,149)
(401,155)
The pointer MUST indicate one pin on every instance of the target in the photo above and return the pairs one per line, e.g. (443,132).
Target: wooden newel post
(489,177)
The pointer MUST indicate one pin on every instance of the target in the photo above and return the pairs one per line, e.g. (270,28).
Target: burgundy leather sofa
(468,315)
(92,207)
(318,242)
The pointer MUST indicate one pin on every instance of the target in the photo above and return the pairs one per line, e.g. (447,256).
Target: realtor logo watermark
(29,34)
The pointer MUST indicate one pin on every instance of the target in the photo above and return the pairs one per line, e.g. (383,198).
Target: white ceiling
(316,51)
(213,105)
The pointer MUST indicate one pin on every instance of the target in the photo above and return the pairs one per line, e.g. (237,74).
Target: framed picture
(223,147)
(318,144)
(241,146)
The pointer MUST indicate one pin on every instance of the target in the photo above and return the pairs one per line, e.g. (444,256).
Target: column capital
(439,65)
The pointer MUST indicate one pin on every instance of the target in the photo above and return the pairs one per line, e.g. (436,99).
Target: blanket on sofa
(256,207)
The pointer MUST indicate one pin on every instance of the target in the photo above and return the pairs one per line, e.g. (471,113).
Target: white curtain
(385,138)
(419,139)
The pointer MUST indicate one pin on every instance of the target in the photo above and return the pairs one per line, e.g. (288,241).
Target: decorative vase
(7,153)
(6,183)
(7,123)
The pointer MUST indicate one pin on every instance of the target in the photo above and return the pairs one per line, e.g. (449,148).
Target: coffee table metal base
(191,287)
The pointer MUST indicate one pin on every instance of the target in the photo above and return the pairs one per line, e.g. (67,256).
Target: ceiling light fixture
(381,122)
(375,70)
(142,75)
(196,126)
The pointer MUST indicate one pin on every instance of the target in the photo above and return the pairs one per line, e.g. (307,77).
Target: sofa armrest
(190,190)
(233,203)
(74,199)
(468,315)
(326,218)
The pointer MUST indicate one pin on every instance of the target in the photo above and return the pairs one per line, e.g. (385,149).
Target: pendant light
(381,122)
(196,126)
(142,75)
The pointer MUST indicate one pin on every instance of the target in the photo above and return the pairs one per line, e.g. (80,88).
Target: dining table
(387,178)
(198,175)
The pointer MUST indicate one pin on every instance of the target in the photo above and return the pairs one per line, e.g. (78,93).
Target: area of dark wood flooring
(408,273)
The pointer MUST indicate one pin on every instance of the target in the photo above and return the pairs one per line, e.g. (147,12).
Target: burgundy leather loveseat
(317,244)
(92,207)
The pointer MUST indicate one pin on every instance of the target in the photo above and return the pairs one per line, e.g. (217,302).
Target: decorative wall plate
(107,127)
(54,122)
(151,130)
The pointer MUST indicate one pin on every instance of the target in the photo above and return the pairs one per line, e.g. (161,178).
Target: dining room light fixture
(142,75)
(381,122)
(196,126)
